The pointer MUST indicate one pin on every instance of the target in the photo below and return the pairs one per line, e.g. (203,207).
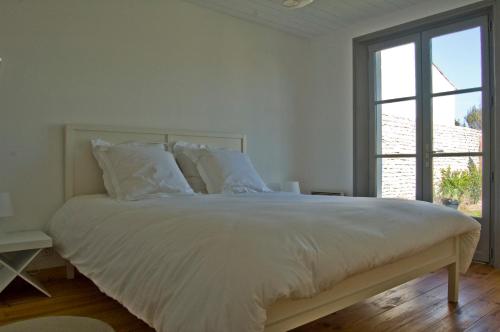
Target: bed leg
(453,282)
(70,271)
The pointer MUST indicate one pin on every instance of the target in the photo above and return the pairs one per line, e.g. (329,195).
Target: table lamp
(291,187)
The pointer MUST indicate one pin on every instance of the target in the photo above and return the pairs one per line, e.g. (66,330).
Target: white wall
(328,143)
(155,63)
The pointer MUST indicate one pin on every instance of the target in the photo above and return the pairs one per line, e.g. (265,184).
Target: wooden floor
(419,305)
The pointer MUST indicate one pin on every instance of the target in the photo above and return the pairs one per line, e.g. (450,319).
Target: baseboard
(45,260)
(50,274)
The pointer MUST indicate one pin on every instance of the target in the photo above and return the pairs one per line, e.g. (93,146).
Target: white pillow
(183,152)
(133,171)
(227,171)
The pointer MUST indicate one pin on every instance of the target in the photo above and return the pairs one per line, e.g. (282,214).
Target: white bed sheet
(216,262)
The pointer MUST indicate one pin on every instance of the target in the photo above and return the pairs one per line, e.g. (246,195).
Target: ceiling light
(294,4)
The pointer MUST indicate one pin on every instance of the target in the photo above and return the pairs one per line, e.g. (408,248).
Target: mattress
(217,262)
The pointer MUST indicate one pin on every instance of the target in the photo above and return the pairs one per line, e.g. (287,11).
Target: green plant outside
(463,185)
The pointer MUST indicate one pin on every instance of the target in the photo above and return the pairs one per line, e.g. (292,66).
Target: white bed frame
(82,176)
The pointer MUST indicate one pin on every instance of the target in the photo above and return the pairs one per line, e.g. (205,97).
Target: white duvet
(215,263)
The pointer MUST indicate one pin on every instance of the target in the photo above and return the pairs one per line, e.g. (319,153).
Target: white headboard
(82,174)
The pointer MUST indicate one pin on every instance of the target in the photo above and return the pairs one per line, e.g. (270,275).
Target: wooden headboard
(82,174)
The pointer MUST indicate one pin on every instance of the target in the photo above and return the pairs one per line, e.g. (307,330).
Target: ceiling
(320,17)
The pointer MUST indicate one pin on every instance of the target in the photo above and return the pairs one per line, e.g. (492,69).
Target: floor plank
(419,305)
(490,322)
(467,315)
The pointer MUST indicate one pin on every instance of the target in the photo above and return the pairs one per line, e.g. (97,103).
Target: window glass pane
(395,72)
(457,123)
(456,61)
(396,128)
(457,183)
(396,178)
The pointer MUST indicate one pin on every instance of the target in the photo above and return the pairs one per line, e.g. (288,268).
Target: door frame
(362,106)
(372,132)
(483,249)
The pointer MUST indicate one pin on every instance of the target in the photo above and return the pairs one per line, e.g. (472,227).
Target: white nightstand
(17,250)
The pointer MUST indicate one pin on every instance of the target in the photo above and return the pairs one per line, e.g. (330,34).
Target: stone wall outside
(398,136)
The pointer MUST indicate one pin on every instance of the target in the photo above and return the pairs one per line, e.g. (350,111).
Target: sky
(458,56)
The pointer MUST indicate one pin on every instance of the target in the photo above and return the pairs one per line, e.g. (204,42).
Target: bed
(391,243)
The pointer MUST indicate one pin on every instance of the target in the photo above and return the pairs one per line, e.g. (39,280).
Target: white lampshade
(6,209)
(291,187)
